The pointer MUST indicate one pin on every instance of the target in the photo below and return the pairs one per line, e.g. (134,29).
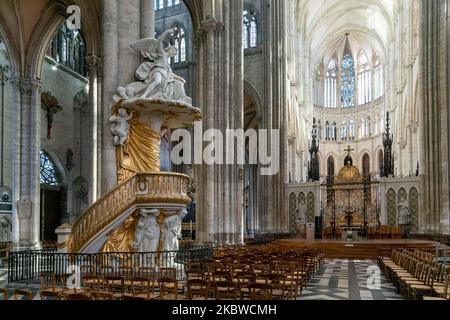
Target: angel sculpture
(156,79)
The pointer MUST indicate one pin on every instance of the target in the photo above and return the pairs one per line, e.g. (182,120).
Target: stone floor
(344,279)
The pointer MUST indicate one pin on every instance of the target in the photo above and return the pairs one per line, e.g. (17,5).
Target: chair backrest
(47,281)
(78,296)
(147,272)
(198,288)
(190,275)
(168,273)
(49,294)
(87,269)
(225,290)
(141,285)
(115,284)
(168,286)
(4,293)
(106,271)
(28,295)
(221,276)
(260,291)
(126,272)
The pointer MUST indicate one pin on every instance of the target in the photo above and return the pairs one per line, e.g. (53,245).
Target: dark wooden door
(50,214)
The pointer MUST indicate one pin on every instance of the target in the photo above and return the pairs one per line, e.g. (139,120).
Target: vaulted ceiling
(24,23)
(324,24)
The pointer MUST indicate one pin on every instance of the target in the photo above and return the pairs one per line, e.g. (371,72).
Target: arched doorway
(52,196)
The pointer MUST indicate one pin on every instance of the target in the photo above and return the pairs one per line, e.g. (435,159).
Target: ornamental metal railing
(27,267)
(142,188)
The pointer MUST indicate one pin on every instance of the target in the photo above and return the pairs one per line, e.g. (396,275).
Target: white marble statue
(156,79)
(172,231)
(120,126)
(403,212)
(301,212)
(147,231)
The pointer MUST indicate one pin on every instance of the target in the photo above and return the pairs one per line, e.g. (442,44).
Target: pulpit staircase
(142,190)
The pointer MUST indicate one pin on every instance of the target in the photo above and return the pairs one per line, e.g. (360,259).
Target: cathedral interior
(312,134)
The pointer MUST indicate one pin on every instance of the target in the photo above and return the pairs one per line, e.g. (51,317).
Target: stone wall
(70,130)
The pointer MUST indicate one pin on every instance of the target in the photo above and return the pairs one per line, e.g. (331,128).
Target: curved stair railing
(142,188)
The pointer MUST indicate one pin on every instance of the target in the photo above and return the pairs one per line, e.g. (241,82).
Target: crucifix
(349,150)
(51,107)
(348,159)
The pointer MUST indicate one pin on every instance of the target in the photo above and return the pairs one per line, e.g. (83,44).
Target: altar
(350,202)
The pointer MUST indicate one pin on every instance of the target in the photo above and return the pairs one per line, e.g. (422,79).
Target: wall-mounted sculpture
(51,107)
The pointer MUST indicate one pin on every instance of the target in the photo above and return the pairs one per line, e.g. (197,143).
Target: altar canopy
(349,200)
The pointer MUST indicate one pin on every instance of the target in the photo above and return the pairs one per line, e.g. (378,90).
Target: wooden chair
(168,273)
(78,296)
(441,291)
(225,290)
(19,294)
(48,284)
(168,289)
(143,288)
(115,286)
(260,291)
(4,294)
(198,289)
(244,279)
(96,295)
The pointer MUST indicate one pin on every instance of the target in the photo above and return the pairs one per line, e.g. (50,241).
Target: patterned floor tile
(343,279)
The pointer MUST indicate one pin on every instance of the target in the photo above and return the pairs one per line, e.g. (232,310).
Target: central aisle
(343,279)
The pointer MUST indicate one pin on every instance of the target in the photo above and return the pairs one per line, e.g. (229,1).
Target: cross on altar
(349,150)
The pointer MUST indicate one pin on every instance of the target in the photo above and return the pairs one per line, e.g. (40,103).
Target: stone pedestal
(63,232)
(310,231)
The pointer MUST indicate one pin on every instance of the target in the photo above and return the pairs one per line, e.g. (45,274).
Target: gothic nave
(241,150)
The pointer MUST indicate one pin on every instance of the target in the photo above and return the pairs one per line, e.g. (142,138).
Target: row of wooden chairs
(416,274)
(18,294)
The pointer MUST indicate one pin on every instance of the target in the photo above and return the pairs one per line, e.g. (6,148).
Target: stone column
(92,63)
(436,103)
(147,18)
(26,164)
(121,26)
(110,56)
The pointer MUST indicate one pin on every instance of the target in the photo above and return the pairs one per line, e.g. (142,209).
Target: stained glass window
(249,30)
(47,170)
(348,82)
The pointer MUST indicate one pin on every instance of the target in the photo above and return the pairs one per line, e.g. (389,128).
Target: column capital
(207,26)
(25,85)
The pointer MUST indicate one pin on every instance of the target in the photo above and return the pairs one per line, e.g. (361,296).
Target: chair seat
(434,298)
(171,297)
